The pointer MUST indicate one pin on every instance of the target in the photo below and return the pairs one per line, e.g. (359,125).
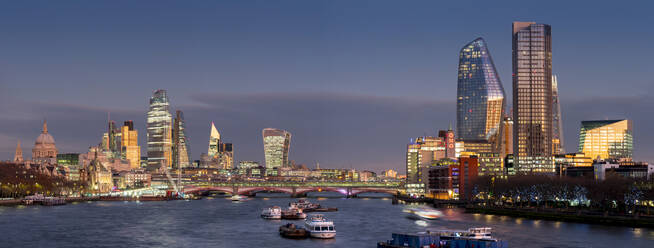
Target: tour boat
(304,205)
(239,198)
(272,213)
(473,237)
(293,214)
(319,227)
(423,213)
(291,231)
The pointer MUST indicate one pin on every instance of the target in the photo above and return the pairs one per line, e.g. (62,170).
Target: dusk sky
(353,81)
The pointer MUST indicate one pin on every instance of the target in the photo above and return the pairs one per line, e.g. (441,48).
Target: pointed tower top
(214,132)
(18,157)
(45,126)
(450,127)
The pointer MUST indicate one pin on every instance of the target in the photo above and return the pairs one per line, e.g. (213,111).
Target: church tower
(18,157)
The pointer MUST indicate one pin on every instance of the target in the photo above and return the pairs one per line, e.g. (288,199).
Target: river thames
(219,222)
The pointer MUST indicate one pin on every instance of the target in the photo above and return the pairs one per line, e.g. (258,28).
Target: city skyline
(431,109)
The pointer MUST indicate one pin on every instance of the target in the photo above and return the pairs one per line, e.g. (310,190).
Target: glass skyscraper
(557,122)
(180,146)
(159,131)
(532,97)
(214,142)
(276,144)
(480,95)
(609,139)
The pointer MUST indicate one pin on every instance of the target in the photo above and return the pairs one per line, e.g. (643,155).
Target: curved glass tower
(276,143)
(159,125)
(480,95)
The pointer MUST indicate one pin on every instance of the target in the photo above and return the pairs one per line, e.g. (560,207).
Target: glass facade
(610,139)
(557,122)
(480,95)
(129,145)
(532,97)
(214,142)
(180,147)
(276,145)
(159,131)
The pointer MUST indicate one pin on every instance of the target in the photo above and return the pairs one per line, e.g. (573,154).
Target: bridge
(295,189)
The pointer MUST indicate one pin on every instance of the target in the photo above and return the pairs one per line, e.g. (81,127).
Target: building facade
(557,122)
(214,141)
(609,139)
(276,145)
(480,95)
(129,144)
(180,142)
(532,97)
(159,132)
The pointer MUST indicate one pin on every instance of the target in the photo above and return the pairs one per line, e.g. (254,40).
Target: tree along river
(219,222)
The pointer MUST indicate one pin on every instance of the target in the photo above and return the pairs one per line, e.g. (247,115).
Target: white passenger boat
(319,227)
(239,198)
(272,213)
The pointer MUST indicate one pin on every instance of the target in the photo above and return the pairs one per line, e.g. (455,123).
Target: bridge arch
(254,190)
(194,190)
(356,192)
(342,191)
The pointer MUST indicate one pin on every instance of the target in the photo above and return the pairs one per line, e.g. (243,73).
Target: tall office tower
(159,125)
(557,122)
(226,156)
(480,96)
(214,142)
(129,144)
(532,97)
(507,136)
(276,144)
(610,139)
(180,142)
(112,143)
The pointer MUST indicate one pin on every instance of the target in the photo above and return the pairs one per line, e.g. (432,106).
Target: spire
(18,157)
(45,126)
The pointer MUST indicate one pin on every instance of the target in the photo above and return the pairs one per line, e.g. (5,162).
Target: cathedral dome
(44,147)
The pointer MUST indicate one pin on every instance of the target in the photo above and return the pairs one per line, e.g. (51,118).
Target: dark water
(219,222)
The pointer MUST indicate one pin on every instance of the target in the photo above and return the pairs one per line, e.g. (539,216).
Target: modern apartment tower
(557,122)
(180,142)
(129,144)
(608,139)
(276,144)
(159,132)
(532,97)
(480,96)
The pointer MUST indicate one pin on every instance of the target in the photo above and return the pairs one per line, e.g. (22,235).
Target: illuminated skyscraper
(557,122)
(611,139)
(159,125)
(129,144)
(276,144)
(480,95)
(532,97)
(180,142)
(214,142)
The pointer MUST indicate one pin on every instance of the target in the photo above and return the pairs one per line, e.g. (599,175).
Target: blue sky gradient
(352,80)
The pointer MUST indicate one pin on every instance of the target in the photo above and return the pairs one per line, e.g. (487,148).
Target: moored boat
(239,198)
(473,237)
(291,231)
(304,205)
(319,227)
(272,213)
(293,214)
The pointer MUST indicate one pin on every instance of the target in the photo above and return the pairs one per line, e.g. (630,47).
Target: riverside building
(532,97)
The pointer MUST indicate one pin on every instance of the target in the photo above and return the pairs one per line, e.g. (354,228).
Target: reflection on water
(219,223)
